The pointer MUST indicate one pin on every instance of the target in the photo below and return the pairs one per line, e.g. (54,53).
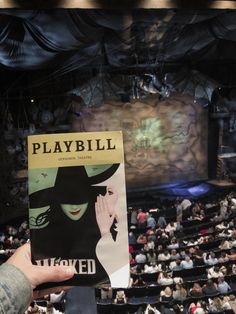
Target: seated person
(223,257)
(139,282)
(210,288)
(232,302)
(223,286)
(150,245)
(222,226)
(151,268)
(170,228)
(225,245)
(106,293)
(151,256)
(196,308)
(140,258)
(174,244)
(151,234)
(151,309)
(166,295)
(164,279)
(215,305)
(224,270)
(210,259)
(196,290)
(180,293)
(132,238)
(174,255)
(142,239)
(187,263)
(136,269)
(164,256)
(233,269)
(214,272)
(175,265)
(120,297)
(198,257)
(232,255)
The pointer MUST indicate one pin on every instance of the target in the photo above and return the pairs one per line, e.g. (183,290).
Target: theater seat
(133,308)
(139,291)
(154,290)
(119,308)
(104,308)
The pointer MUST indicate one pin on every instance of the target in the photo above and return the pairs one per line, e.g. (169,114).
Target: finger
(21,256)
(25,250)
(52,274)
(96,207)
(99,205)
(41,293)
(105,205)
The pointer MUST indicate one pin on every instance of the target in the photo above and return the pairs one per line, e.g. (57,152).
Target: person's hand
(105,210)
(37,275)
(104,219)
(111,198)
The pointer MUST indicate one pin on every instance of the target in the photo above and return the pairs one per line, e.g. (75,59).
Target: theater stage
(190,190)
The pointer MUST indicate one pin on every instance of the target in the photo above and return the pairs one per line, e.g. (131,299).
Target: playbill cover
(77,205)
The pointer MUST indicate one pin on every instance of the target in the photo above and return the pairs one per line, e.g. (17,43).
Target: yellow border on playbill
(74,149)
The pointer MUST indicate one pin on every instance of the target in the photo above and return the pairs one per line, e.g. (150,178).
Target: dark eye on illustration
(110,191)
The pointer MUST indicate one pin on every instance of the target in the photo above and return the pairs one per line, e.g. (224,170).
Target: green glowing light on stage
(149,135)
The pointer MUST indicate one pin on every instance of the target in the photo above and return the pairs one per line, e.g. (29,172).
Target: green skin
(74,211)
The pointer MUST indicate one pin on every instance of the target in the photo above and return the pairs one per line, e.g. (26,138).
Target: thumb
(52,274)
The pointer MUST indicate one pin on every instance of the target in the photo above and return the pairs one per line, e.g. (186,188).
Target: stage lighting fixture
(151,84)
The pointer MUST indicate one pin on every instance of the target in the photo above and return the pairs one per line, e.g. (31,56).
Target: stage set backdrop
(165,141)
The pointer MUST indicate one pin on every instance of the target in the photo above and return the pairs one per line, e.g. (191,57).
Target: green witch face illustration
(74,189)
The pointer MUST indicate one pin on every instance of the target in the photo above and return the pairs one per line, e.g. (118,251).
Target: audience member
(164,256)
(196,290)
(151,268)
(215,305)
(141,219)
(196,308)
(140,258)
(210,259)
(180,293)
(151,222)
(106,293)
(166,295)
(142,239)
(132,238)
(161,223)
(151,256)
(214,272)
(232,302)
(164,279)
(151,309)
(139,282)
(223,286)
(210,288)
(187,263)
(120,297)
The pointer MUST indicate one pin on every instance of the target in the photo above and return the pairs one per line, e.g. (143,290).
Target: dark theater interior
(163,73)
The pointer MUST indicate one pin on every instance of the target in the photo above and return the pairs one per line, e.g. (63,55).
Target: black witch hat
(72,186)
